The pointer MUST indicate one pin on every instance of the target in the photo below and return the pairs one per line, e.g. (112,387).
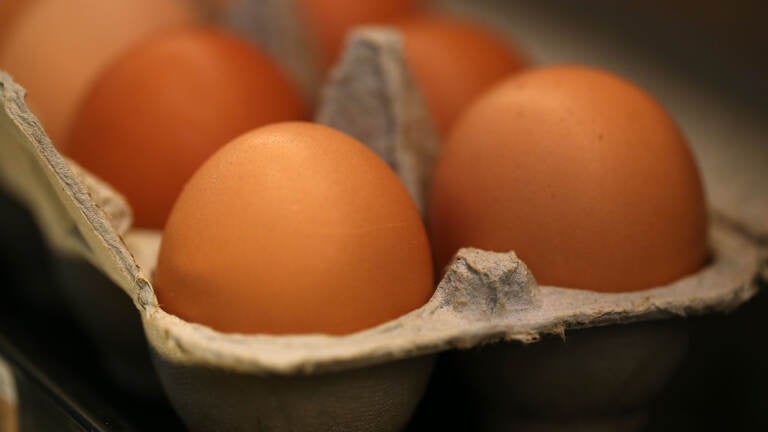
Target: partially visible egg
(56,48)
(329,21)
(165,106)
(9,421)
(8,11)
(453,61)
(294,228)
(580,172)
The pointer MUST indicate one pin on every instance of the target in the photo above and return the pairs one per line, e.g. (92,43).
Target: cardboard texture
(602,379)
(372,97)
(484,297)
(378,398)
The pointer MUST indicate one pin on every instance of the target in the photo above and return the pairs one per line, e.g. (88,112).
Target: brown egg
(581,173)
(294,228)
(453,61)
(9,9)
(56,48)
(164,107)
(9,421)
(329,21)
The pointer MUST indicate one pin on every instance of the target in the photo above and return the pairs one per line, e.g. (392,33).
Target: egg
(8,11)
(56,48)
(294,228)
(580,172)
(166,105)
(9,411)
(453,61)
(329,21)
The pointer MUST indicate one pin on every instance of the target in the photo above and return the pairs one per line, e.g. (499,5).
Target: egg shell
(122,109)
(329,21)
(23,148)
(75,40)
(294,178)
(275,26)
(484,297)
(577,144)
(9,9)
(370,96)
(9,418)
(454,60)
(334,356)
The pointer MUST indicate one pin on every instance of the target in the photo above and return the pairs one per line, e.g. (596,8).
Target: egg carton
(370,380)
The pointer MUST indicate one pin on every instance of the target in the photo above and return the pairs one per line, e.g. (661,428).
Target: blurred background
(717,42)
